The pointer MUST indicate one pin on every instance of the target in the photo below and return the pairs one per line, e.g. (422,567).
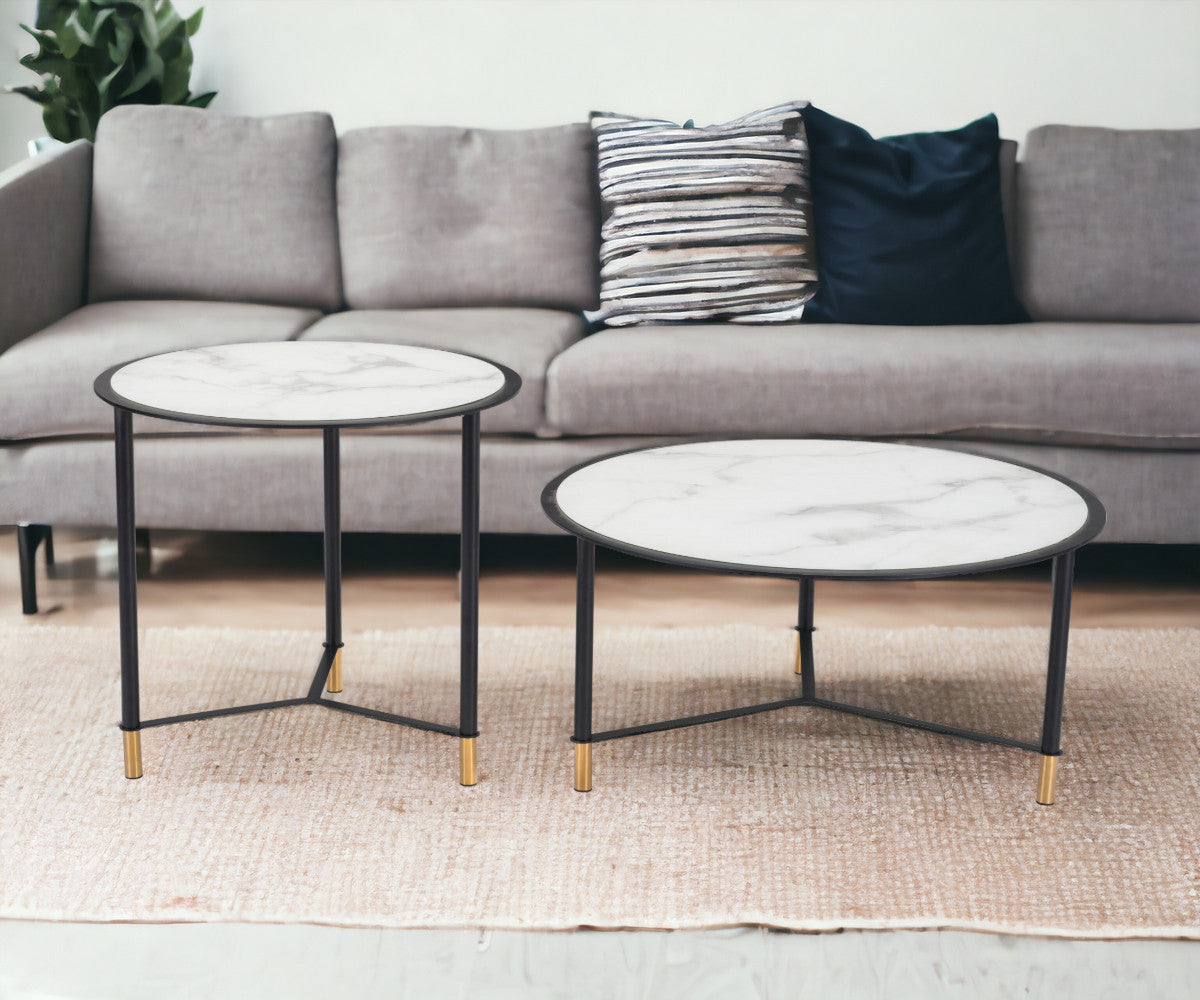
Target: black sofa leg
(29,537)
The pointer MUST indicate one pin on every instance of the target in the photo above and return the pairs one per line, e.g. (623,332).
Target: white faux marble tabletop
(307,381)
(821,505)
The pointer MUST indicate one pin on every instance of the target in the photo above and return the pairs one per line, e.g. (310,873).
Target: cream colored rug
(800,819)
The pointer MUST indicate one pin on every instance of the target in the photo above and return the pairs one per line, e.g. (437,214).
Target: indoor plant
(95,54)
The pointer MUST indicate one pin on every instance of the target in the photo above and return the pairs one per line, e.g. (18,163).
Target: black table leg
(333,556)
(585,593)
(468,719)
(804,643)
(1062,575)
(131,720)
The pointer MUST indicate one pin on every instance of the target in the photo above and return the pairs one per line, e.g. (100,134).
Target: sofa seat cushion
(1118,384)
(526,340)
(46,380)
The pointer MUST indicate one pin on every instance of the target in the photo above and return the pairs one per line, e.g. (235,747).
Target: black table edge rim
(512,384)
(1091,527)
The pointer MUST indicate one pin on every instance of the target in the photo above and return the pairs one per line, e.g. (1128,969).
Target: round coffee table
(324,385)
(823,509)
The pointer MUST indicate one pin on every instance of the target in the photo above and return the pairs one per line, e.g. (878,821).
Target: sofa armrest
(44,202)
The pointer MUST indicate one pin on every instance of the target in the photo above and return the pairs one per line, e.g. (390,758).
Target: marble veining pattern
(842,506)
(307,381)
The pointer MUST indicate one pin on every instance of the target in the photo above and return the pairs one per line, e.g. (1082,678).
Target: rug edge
(1168,933)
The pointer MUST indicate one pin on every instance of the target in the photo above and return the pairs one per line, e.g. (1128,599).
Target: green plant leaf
(83,100)
(147,26)
(47,45)
(47,65)
(121,43)
(71,39)
(177,74)
(102,26)
(148,74)
(35,95)
(95,54)
(175,46)
(53,12)
(58,123)
(112,83)
(168,20)
(85,14)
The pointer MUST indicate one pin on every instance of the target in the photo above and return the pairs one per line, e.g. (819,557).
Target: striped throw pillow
(704,223)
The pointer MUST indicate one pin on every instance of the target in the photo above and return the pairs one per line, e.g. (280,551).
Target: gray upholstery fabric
(43,239)
(1008,197)
(1110,224)
(526,340)
(191,204)
(468,217)
(244,209)
(1126,384)
(390,482)
(46,380)
(411,482)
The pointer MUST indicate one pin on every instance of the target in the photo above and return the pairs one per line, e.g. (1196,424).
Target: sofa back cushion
(1109,224)
(194,205)
(1008,196)
(433,216)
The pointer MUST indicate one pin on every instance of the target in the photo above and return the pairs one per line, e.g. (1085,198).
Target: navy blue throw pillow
(908,229)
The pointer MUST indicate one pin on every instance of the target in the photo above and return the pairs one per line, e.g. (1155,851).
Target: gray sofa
(183,228)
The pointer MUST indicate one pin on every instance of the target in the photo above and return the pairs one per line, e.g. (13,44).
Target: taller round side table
(317,385)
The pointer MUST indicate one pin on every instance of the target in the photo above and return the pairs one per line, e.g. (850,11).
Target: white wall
(889,65)
(20,119)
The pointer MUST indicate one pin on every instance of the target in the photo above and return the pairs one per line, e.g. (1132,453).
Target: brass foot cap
(133,753)
(583,767)
(1046,776)
(334,683)
(468,773)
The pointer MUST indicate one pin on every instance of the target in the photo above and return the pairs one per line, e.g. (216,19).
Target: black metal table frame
(329,665)
(1062,576)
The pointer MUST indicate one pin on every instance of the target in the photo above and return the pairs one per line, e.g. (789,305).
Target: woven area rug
(800,819)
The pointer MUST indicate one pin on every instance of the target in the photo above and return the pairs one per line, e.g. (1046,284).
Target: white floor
(53,961)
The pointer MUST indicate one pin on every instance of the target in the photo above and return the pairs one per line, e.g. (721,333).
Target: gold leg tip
(1046,776)
(133,753)
(468,772)
(334,684)
(583,767)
